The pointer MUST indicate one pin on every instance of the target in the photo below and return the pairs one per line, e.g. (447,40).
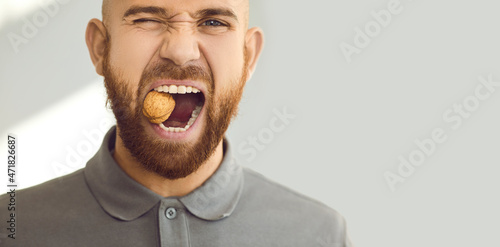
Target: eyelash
(215,23)
(218,23)
(144,20)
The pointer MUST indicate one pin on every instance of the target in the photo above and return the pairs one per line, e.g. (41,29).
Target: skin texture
(178,41)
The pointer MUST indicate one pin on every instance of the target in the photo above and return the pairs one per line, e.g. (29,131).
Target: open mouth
(189,102)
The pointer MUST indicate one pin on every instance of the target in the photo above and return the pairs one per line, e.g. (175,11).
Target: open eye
(213,23)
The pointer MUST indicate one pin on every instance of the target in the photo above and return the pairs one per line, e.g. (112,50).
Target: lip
(181,136)
(196,84)
(194,128)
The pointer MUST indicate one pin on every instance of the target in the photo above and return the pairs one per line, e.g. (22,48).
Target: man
(173,182)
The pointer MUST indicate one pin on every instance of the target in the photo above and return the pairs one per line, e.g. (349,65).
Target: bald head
(105,9)
(243,9)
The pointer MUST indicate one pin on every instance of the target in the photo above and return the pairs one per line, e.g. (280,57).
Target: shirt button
(171,213)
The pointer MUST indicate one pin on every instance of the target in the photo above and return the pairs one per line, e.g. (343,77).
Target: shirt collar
(125,199)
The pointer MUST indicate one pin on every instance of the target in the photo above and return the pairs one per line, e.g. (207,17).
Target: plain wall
(354,117)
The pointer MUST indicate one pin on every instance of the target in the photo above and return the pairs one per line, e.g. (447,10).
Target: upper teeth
(173,89)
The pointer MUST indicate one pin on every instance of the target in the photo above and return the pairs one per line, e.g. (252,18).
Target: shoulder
(287,207)
(57,197)
(264,188)
(45,209)
(56,189)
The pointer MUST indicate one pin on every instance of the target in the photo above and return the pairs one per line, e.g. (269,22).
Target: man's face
(155,44)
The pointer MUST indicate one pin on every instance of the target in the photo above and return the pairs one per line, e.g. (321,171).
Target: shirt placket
(173,223)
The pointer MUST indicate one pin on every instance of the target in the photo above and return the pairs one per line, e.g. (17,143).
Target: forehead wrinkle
(106,5)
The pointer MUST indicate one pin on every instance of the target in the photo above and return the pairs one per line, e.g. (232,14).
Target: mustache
(169,71)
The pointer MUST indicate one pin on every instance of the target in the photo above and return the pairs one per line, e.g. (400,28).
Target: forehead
(117,8)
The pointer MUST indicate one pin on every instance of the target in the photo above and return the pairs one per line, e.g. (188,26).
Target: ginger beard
(169,159)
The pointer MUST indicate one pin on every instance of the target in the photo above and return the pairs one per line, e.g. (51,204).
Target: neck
(160,185)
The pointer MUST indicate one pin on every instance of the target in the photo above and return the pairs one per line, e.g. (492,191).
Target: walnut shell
(158,106)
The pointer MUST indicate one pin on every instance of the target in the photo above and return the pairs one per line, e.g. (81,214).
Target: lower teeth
(191,121)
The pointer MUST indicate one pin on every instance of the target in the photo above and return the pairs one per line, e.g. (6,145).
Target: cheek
(225,58)
(130,54)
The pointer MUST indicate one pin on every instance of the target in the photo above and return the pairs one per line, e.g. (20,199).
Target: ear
(96,38)
(254,41)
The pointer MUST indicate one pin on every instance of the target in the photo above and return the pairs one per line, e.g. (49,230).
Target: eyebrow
(217,12)
(145,9)
(162,12)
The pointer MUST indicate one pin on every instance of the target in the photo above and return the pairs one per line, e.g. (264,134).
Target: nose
(180,46)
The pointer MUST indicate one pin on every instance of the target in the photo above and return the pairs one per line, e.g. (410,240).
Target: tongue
(184,106)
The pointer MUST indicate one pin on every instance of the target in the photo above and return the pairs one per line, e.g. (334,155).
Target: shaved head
(105,10)
(107,7)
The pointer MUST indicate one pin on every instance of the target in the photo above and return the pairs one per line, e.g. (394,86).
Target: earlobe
(254,42)
(96,39)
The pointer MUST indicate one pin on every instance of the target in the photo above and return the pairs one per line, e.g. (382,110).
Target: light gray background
(352,120)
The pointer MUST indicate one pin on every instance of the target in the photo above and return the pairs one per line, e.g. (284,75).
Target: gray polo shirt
(101,205)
